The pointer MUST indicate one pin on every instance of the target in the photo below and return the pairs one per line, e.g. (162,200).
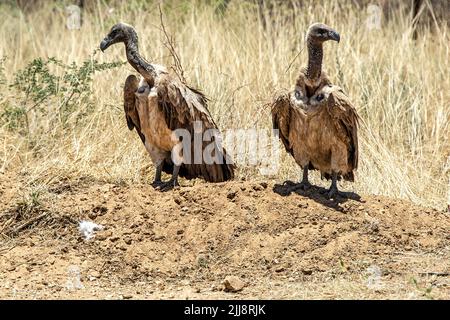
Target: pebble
(233,284)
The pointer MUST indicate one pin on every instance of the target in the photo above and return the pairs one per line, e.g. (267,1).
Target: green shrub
(52,91)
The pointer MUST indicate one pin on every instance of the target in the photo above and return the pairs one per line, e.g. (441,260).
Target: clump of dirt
(196,236)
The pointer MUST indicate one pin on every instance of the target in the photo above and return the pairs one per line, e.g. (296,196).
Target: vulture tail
(217,172)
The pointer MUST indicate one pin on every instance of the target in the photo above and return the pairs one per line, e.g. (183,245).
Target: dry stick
(7,223)
(170,46)
(29,222)
(437,274)
(292,61)
(267,105)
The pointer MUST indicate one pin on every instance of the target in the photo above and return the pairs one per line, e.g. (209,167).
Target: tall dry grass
(399,86)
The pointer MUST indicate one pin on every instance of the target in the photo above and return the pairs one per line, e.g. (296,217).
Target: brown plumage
(318,124)
(158,106)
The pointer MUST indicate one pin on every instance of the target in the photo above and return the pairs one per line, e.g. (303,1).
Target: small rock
(114,239)
(264,185)
(233,284)
(11,268)
(101,236)
(279,269)
(231,194)
(121,246)
(202,261)
(214,287)
(258,187)
(92,215)
(180,231)
(185,209)
(307,272)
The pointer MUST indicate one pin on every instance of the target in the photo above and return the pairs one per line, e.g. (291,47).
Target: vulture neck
(315,56)
(137,62)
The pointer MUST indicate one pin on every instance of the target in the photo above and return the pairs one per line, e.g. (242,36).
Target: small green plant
(425,291)
(14,117)
(342,265)
(52,91)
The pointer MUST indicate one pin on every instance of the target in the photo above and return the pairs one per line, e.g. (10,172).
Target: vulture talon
(304,185)
(156,184)
(169,185)
(333,193)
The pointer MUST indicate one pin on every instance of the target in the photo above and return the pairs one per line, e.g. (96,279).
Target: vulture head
(319,33)
(120,32)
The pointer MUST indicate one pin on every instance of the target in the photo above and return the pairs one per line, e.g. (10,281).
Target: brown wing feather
(182,106)
(346,122)
(281,118)
(129,105)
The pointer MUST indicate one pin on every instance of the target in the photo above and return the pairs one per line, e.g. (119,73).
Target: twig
(7,223)
(29,222)
(292,61)
(170,46)
(437,274)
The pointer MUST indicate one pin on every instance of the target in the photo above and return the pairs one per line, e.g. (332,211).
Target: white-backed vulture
(317,123)
(159,104)
(312,77)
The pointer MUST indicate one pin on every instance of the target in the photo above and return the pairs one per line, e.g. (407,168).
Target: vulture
(159,107)
(316,121)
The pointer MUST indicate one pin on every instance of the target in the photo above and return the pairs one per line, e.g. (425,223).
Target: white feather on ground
(87,229)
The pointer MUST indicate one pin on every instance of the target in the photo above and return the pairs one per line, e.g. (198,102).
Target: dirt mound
(161,244)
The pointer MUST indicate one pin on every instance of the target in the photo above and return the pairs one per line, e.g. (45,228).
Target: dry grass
(400,88)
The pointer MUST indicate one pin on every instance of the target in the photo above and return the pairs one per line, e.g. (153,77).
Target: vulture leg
(304,185)
(173,182)
(157,182)
(333,191)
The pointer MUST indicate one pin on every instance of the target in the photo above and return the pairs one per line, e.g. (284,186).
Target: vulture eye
(298,95)
(320,97)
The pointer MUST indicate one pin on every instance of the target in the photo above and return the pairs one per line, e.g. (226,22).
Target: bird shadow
(316,193)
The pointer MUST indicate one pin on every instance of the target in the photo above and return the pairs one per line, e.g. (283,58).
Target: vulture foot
(156,184)
(169,185)
(333,192)
(304,185)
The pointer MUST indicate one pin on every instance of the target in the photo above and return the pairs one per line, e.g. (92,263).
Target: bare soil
(281,242)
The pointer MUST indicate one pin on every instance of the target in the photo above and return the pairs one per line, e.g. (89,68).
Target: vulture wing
(129,104)
(345,119)
(281,118)
(182,107)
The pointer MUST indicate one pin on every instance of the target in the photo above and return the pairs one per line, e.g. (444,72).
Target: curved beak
(334,35)
(105,44)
